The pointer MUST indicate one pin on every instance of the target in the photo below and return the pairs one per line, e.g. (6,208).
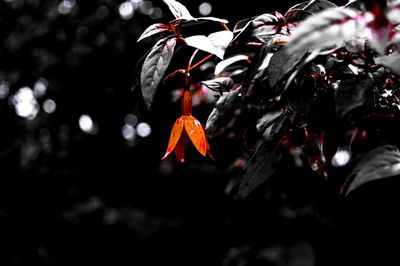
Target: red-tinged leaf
(314,6)
(259,169)
(219,84)
(390,61)
(178,10)
(265,24)
(260,27)
(196,133)
(215,43)
(352,93)
(380,163)
(154,67)
(302,10)
(242,25)
(380,36)
(153,30)
(221,66)
(327,29)
(176,133)
(224,104)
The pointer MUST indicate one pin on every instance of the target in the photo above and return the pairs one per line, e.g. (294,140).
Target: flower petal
(196,133)
(175,136)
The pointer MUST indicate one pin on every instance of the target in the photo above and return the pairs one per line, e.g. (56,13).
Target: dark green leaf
(255,71)
(259,169)
(224,104)
(152,30)
(271,123)
(283,62)
(380,163)
(154,67)
(352,93)
(219,84)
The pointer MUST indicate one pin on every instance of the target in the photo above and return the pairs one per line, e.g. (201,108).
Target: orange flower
(187,129)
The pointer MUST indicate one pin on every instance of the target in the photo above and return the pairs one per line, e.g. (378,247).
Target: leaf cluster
(304,87)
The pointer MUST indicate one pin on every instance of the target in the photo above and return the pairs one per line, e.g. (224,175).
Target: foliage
(304,88)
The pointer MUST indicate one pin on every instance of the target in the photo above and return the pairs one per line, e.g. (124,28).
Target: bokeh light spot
(49,106)
(126,10)
(341,158)
(131,119)
(4,90)
(205,9)
(65,6)
(128,132)
(102,12)
(40,87)
(156,13)
(25,103)
(86,124)
(143,129)
(146,7)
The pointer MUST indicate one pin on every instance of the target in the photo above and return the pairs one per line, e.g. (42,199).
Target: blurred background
(81,179)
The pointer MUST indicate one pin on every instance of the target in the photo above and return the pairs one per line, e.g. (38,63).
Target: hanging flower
(187,131)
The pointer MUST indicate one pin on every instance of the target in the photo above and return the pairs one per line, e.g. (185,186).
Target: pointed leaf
(259,169)
(176,133)
(380,163)
(268,120)
(352,93)
(260,27)
(283,62)
(302,10)
(356,4)
(254,74)
(219,84)
(219,20)
(265,25)
(178,10)
(152,30)
(390,61)
(326,29)
(216,43)
(224,104)
(154,67)
(196,133)
(221,66)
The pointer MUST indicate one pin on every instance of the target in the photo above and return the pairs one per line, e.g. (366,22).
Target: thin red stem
(191,60)
(200,62)
(224,26)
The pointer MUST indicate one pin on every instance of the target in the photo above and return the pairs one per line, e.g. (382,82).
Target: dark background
(69,197)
